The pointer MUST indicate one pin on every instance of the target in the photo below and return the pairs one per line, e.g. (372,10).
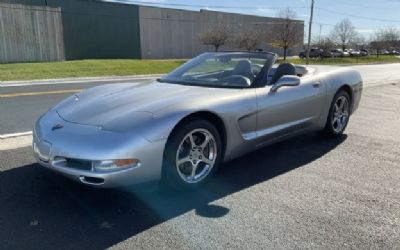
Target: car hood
(116,102)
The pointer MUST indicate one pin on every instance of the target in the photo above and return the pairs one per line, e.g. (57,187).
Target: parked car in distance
(394,52)
(364,52)
(384,52)
(327,54)
(339,53)
(314,52)
(346,52)
(354,53)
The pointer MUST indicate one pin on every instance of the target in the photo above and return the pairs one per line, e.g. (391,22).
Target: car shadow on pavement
(42,210)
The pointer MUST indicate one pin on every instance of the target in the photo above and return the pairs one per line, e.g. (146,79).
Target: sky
(366,15)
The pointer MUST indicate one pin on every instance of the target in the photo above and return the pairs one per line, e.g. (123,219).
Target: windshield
(223,69)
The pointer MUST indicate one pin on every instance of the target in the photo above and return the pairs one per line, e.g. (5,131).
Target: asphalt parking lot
(305,193)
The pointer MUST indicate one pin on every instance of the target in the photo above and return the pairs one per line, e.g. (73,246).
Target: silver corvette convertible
(214,108)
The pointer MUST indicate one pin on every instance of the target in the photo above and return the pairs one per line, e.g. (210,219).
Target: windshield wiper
(172,82)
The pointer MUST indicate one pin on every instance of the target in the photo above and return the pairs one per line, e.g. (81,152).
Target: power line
(171,19)
(354,4)
(276,21)
(250,8)
(247,7)
(325,24)
(357,16)
(202,6)
(333,25)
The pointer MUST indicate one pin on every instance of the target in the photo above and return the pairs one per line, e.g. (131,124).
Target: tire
(189,160)
(339,115)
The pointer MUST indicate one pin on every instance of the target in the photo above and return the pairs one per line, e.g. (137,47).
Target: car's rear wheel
(339,114)
(192,154)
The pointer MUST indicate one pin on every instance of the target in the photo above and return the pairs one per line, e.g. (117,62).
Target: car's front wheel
(339,114)
(192,154)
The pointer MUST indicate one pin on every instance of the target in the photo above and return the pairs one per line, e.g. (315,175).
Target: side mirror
(287,80)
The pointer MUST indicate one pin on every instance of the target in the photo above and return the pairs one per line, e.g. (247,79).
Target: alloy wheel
(196,155)
(340,114)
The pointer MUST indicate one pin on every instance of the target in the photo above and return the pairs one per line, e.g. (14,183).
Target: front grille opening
(78,164)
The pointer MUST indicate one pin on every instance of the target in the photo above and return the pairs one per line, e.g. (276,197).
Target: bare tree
(359,42)
(288,31)
(216,35)
(344,33)
(326,44)
(248,39)
(377,42)
(390,36)
(387,37)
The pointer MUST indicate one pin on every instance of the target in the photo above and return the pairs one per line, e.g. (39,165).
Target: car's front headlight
(112,165)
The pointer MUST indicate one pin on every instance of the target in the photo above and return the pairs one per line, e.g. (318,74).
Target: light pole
(309,32)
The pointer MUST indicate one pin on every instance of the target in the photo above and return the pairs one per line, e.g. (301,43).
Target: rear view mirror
(287,80)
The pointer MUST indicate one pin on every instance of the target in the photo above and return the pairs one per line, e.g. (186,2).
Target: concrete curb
(7,136)
(75,80)
(15,142)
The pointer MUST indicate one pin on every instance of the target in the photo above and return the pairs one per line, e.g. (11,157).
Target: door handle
(316,84)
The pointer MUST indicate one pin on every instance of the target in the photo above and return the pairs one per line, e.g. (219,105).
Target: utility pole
(309,32)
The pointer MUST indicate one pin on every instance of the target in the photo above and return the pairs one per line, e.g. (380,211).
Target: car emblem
(56,126)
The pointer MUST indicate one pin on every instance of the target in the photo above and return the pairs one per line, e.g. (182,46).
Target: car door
(290,109)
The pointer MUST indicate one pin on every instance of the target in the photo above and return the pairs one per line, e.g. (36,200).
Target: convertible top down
(214,108)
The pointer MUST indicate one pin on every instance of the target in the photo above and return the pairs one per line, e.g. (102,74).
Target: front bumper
(90,143)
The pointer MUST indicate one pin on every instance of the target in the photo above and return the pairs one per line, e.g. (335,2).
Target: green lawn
(347,60)
(85,68)
(118,67)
